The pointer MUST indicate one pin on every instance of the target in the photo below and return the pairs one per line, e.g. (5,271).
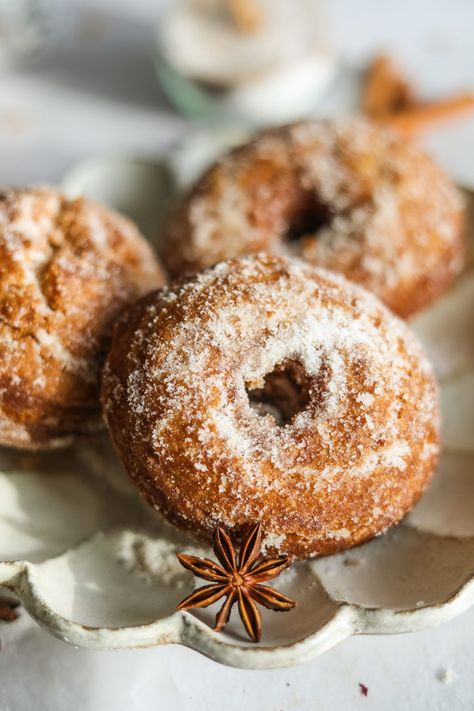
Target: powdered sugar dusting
(201,347)
(391,216)
(66,269)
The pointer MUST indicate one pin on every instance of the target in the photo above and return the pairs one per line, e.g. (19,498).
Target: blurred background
(87,88)
(83,77)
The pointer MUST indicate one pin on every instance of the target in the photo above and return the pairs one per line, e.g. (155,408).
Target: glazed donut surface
(345,195)
(265,389)
(67,269)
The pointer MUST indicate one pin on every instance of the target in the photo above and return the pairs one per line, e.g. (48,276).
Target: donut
(265,389)
(67,269)
(346,195)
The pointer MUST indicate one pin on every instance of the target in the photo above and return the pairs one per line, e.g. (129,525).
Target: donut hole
(285,393)
(308,218)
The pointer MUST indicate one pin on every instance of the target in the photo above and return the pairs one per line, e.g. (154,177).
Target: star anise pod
(239,581)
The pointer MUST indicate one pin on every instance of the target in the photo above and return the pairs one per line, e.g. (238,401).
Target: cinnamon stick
(413,121)
(388,98)
(386,90)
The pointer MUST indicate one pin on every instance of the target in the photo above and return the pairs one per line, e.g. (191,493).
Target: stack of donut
(266,383)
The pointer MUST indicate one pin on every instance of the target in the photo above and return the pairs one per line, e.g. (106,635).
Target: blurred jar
(24,27)
(263,61)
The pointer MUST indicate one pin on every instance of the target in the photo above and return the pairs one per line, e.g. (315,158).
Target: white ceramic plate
(98,569)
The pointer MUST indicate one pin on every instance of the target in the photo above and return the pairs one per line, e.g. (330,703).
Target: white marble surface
(95,92)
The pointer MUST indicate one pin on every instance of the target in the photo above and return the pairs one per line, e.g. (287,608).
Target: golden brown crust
(344,195)
(67,269)
(265,389)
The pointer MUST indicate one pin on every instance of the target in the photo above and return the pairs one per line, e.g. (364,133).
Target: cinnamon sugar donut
(345,195)
(67,269)
(266,389)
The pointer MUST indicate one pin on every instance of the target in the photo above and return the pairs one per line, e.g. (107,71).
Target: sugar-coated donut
(67,269)
(345,195)
(267,389)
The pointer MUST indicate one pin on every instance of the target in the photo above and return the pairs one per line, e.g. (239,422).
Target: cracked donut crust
(67,270)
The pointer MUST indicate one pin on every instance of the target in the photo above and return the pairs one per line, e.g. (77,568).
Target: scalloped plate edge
(183,628)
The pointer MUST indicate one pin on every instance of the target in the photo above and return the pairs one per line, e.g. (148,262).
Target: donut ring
(67,269)
(345,195)
(265,389)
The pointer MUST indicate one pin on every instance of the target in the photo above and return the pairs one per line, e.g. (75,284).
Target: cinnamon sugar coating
(67,269)
(267,390)
(345,195)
